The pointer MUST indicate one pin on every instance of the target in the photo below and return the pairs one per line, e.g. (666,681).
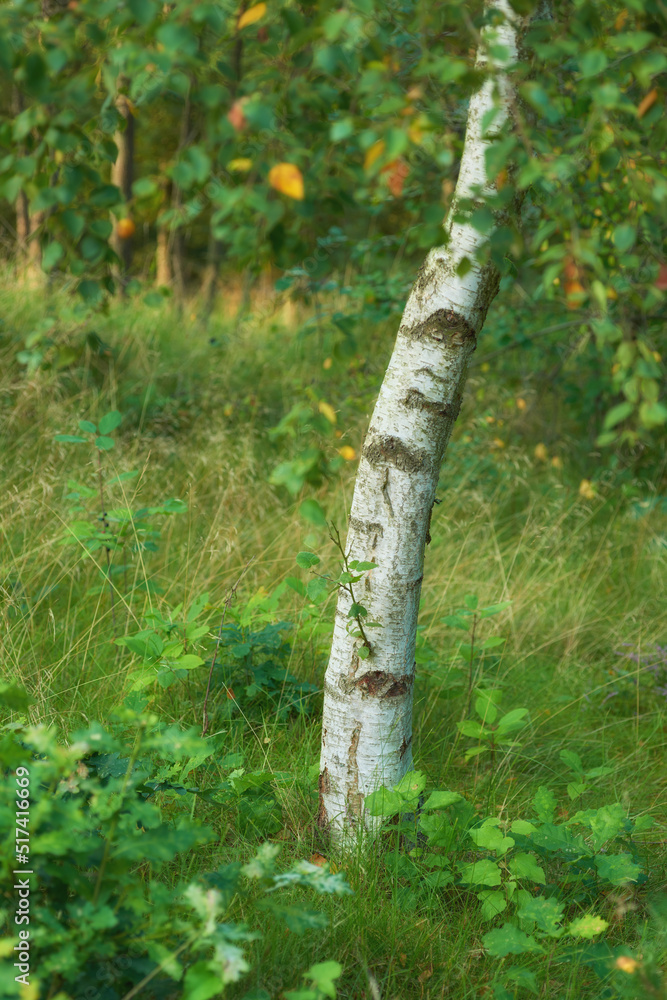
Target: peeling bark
(368,703)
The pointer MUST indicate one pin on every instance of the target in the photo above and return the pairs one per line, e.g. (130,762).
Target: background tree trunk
(122,172)
(367,719)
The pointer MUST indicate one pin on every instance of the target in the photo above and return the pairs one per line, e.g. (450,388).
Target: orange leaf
(620,20)
(235,115)
(396,171)
(317,859)
(647,103)
(374,153)
(347,452)
(661,280)
(251,15)
(288,179)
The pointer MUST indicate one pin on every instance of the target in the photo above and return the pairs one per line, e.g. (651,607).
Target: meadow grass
(584,574)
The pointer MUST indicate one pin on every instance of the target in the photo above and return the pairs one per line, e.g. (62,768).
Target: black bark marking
(324,786)
(379,684)
(390,450)
(385,492)
(368,527)
(403,749)
(441,325)
(354,798)
(416,400)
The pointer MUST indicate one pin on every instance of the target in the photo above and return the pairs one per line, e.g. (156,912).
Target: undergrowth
(139,574)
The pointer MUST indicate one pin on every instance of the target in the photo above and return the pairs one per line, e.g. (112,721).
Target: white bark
(367,721)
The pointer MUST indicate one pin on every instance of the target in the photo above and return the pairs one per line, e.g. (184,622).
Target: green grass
(584,576)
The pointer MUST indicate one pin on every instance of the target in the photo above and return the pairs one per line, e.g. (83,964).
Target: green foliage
(541,874)
(105,850)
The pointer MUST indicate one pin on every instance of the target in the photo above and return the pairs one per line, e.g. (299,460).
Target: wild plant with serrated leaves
(113,912)
(541,877)
(110,529)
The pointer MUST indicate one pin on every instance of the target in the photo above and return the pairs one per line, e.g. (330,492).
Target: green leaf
(489,837)
(104,443)
(511,721)
(85,425)
(440,800)
(575,789)
(311,511)
(201,983)
(53,253)
(323,975)
(624,237)
(471,601)
(493,903)
(544,803)
(509,940)
(493,609)
(524,866)
(572,760)
(653,415)
(485,705)
(472,729)
(69,439)
(492,642)
(484,872)
(411,784)
(14,697)
(455,622)
(307,559)
(593,62)
(619,869)
(363,652)
(547,914)
(617,414)
(362,566)
(587,927)
(187,662)
(110,421)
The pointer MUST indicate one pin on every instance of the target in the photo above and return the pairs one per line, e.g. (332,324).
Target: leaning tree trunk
(367,720)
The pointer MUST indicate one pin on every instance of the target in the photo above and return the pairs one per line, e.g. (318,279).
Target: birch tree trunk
(367,719)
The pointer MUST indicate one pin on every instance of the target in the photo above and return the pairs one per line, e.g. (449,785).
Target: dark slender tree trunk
(122,173)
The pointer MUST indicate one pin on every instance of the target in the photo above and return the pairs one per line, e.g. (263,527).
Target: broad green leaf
(311,511)
(572,760)
(493,609)
(592,62)
(323,975)
(624,237)
(307,559)
(455,622)
(383,802)
(104,443)
(440,800)
(411,784)
(525,866)
(471,601)
(491,839)
(110,421)
(619,869)
(484,872)
(509,940)
(85,425)
(69,439)
(493,903)
(546,913)
(52,255)
(512,721)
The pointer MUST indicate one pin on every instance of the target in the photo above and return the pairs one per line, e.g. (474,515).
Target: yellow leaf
(251,15)
(348,453)
(327,363)
(374,153)
(540,452)
(288,179)
(626,964)
(327,411)
(242,165)
(521,403)
(557,462)
(647,103)
(586,489)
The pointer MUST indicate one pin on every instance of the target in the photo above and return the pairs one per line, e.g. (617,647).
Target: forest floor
(527,516)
